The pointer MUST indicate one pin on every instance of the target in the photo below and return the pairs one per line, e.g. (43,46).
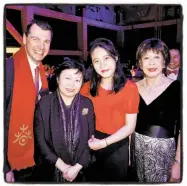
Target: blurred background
(75,26)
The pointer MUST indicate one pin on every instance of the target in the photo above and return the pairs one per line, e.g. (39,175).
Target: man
(25,83)
(173,69)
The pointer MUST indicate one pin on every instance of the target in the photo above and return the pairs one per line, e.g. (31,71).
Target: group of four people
(80,132)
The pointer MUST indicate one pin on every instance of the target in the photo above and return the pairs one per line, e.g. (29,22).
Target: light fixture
(12,50)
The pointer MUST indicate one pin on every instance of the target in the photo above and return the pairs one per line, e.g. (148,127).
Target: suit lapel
(179,77)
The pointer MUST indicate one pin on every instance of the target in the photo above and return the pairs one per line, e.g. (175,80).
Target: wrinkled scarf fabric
(71,129)
(20,135)
(70,121)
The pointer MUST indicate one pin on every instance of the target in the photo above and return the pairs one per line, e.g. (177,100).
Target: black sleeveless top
(164,111)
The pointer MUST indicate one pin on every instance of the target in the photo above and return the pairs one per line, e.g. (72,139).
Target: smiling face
(103,63)
(37,43)
(69,83)
(152,63)
(174,59)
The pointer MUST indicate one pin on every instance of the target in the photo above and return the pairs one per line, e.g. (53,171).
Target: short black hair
(71,64)
(175,50)
(42,24)
(156,45)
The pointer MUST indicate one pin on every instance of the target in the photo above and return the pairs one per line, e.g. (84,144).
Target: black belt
(156,131)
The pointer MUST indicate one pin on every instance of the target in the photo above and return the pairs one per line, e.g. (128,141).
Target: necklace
(152,87)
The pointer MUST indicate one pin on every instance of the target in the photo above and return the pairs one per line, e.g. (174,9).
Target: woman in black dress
(155,156)
(64,122)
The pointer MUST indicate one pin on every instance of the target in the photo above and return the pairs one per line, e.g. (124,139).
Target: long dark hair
(119,78)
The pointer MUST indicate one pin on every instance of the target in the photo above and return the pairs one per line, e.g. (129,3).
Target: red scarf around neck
(20,136)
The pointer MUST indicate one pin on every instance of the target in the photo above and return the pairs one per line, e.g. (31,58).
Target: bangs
(154,50)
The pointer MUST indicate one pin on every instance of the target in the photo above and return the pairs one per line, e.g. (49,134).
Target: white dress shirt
(32,67)
(173,75)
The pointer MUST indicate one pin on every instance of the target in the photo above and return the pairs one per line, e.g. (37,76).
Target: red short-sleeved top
(111,109)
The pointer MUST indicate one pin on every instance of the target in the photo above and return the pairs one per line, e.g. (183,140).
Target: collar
(176,69)
(32,64)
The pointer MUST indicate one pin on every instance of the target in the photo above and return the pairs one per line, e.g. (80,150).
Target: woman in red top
(115,103)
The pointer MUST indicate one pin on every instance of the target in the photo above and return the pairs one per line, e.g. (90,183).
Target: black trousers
(35,174)
(24,175)
(111,163)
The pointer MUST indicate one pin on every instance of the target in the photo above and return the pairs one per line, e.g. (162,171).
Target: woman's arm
(131,104)
(71,173)
(42,149)
(41,146)
(175,170)
(122,133)
(177,157)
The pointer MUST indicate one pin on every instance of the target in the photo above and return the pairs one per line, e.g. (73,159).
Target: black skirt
(111,163)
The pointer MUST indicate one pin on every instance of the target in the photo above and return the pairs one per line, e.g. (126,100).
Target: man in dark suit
(174,67)
(174,71)
(25,84)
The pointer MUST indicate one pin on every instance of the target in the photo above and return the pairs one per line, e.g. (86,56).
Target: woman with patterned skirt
(155,154)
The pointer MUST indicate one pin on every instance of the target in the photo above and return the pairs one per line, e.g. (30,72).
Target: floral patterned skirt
(152,158)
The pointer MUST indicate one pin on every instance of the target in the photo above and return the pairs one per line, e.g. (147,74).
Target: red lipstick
(152,69)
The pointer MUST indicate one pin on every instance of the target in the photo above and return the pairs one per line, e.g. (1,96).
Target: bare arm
(122,133)
(175,170)
(42,146)
(131,103)
(177,157)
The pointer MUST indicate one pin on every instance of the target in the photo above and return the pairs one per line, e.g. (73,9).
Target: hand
(39,97)
(175,173)
(71,173)
(10,177)
(61,165)
(132,71)
(91,139)
(96,144)
(65,167)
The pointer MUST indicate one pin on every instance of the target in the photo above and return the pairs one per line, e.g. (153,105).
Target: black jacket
(47,127)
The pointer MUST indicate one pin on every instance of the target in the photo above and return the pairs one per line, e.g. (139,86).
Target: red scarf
(20,137)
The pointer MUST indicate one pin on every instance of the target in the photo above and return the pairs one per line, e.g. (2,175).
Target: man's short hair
(42,24)
(175,50)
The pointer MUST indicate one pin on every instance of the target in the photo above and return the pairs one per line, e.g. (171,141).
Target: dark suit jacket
(8,92)
(48,132)
(179,77)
